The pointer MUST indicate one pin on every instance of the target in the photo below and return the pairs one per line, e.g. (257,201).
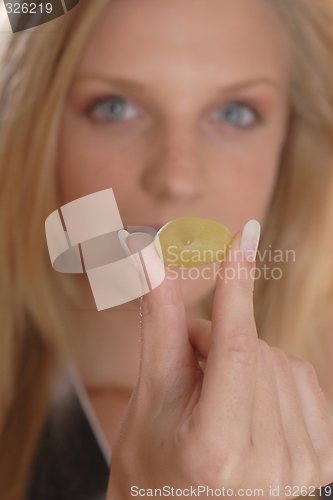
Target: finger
(230,375)
(165,346)
(233,300)
(267,428)
(268,437)
(303,459)
(316,416)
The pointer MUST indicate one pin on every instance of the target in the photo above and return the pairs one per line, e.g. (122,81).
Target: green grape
(192,241)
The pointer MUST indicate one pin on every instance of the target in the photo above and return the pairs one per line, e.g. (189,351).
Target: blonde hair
(36,73)
(292,311)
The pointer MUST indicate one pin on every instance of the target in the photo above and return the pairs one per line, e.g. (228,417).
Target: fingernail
(250,240)
(122,235)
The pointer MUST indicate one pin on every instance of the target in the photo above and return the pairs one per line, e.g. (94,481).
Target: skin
(174,157)
(178,157)
(173,152)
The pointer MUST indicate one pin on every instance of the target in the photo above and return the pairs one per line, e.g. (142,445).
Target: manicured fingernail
(122,235)
(250,240)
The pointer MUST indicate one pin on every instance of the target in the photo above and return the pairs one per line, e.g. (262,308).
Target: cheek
(265,165)
(76,161)
(256,183)
(244,178)
(87,161)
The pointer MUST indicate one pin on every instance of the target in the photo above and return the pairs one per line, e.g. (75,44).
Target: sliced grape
(192,241)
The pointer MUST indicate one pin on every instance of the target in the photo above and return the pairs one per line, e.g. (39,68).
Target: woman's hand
(255,419)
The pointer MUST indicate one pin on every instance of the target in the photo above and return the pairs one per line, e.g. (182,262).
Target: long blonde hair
(35,76)
(292,311)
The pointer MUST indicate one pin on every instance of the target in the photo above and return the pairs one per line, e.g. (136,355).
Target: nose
(175,170)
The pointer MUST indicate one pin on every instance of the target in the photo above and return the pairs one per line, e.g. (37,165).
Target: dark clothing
(69,463)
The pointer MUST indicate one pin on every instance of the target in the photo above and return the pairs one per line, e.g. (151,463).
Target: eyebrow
(132,85)
(136,87)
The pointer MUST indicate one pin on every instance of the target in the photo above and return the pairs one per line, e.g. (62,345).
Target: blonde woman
(219,109)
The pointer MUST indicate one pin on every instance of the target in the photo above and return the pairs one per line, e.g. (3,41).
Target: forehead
(172,38)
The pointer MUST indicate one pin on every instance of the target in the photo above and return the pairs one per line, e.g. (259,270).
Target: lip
(155,225)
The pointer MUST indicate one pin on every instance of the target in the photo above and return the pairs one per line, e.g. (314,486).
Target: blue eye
(113,109)
(238,115)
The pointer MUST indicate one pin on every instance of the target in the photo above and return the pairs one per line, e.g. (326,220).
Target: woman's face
(181,107)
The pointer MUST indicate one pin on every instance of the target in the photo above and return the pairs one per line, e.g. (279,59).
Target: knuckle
(192,454)
(192,433)
(275,463)
(307,470)
(314,474)
(308,371)
(279,357)
(241,348)
(264,348)
(326,454)
(212,466)
(230,466)
(281,473)
(265,360)
(325,465)
(304,370)
(204,459)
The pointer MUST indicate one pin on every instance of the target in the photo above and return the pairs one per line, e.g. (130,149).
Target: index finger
(165,345)
(230,375)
